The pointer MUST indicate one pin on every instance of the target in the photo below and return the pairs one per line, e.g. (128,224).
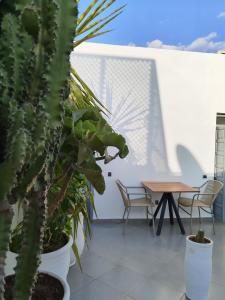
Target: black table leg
(157,209)
(161,216)
(171,200)
(170,212)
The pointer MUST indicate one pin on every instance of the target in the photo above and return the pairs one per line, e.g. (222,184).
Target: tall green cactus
(35,42)
(36,37)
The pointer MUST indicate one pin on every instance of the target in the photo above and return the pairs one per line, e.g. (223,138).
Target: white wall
(165,103)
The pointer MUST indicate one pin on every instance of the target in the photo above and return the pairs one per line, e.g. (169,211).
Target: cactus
(200,237)
(36,39)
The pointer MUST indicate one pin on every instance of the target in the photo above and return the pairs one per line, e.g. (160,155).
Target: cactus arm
(33,233)
(11,40)
(60,63)
(6,215)
(54,66)
(14,162)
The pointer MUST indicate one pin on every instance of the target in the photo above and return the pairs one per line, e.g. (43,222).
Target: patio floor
(126,264)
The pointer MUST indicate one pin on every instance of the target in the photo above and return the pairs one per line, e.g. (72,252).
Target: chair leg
(199,215)
(191,220)
(147,212)
(213,221)
(128,213)
(125,210)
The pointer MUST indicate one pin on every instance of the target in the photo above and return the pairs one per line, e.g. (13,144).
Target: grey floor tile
(124,279)
(217,292)
(143,264)
(172,274)
(156,290)
(95,265)
(130,264)
(98,290)
(78,279)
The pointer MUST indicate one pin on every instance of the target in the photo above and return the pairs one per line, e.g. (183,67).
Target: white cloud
(221,14)
(131,44)
(203,44)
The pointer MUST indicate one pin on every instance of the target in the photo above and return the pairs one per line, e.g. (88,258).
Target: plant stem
(59,198)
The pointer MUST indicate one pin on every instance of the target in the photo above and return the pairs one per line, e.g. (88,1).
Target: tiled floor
(126,262)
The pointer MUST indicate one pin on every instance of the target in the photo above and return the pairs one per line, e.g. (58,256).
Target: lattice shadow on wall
(129,88)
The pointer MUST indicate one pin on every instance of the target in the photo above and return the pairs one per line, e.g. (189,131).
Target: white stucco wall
(165,103)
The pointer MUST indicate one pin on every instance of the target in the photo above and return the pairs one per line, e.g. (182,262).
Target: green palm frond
(89,26)
(82,96)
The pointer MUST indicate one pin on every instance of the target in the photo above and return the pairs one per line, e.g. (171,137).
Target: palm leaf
(89,36)
(89,27)
(86,12)
(86,96)
(87,20)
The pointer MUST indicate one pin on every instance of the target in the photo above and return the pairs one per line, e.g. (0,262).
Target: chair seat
(141,202)
(187,202)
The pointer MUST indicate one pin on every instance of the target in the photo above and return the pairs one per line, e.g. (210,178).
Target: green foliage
(66,218)
(36,39)
(74,203)
(88,24)
(87,137)
(44,138)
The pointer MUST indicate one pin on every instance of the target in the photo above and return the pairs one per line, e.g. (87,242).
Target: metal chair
(203,200)
(130,200)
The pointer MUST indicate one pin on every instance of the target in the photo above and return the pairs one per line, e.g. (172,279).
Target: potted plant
(60,231)
(36,40)
(198,266)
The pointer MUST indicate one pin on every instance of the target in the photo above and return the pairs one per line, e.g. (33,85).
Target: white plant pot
(198,269)
(56,262)
(80,242)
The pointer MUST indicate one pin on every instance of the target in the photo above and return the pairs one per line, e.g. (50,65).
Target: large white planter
(56,262)
(198,269)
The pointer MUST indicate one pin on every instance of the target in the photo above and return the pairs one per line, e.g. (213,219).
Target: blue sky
(194,25)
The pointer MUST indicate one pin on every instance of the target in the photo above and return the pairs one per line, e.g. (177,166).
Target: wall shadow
(129,88)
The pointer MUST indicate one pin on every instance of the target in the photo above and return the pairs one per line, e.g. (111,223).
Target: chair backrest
(123,192)
(213,187)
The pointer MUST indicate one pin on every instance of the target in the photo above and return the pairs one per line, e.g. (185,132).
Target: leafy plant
(87,137)
(66,218)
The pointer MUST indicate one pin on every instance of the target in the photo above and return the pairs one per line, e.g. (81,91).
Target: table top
(168,187)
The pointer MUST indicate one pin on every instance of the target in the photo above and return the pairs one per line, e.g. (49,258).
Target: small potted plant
(198,266)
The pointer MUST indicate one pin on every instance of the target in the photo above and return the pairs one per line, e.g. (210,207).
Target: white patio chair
(203,200)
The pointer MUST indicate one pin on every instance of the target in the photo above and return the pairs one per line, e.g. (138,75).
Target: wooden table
(167,189)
